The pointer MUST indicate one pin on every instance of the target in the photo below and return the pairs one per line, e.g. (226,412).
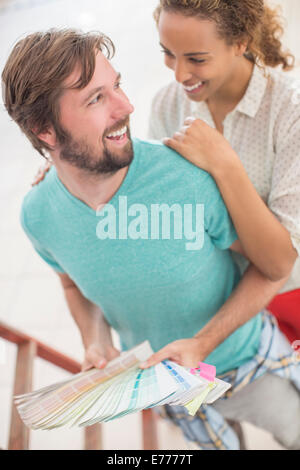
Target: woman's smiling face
(202,61)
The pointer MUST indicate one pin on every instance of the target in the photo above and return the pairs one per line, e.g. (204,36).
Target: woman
(230,113)
(244,127)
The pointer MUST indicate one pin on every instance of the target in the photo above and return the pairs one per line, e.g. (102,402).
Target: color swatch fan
(122,387)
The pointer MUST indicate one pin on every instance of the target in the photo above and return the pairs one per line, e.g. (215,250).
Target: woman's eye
(191,59)
(96,99)
(197,61)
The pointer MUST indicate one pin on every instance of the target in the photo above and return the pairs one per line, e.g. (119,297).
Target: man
(96,220)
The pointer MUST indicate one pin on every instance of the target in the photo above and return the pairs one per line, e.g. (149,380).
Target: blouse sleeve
(168,111)
(156,127)
(284,198)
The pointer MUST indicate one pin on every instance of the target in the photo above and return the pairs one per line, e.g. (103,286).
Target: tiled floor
(30,295)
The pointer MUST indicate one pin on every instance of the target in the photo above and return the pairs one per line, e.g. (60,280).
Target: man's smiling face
(96,121)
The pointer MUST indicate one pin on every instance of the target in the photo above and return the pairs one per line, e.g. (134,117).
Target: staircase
(28,349)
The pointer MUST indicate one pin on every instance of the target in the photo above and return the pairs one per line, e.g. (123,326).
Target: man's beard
(79,154)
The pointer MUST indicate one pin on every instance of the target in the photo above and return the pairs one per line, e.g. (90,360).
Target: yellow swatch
(194,405)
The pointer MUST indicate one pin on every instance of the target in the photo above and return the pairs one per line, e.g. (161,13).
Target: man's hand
(185,352)
(96,357)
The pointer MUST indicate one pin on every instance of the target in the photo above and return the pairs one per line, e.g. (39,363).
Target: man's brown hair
(35,72)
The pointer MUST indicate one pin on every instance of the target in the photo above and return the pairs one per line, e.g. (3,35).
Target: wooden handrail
(28,349)
(42,350)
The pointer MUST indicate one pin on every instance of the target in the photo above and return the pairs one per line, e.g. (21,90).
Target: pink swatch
(206,371)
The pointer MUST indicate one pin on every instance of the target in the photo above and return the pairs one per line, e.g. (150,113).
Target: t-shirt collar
(123,188)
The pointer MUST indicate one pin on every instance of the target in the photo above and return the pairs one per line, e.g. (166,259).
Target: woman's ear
(241,48)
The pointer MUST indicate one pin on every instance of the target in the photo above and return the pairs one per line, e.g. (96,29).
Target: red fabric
(286,308)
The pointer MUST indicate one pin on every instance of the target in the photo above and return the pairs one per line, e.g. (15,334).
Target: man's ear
(48,136)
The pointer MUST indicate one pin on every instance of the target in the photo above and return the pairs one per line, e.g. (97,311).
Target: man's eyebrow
(98,89)
(188,54)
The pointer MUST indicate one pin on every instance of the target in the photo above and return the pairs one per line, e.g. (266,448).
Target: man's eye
(96,99)
(118,85)
(168,53)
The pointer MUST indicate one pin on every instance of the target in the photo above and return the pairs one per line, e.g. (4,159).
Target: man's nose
(182,73)
(121,107)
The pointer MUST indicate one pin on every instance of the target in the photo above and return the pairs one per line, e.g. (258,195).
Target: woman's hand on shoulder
(202,145)
(41,173)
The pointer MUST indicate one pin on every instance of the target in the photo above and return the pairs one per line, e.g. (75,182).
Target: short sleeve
(284,197)
(218,223)
(42,252)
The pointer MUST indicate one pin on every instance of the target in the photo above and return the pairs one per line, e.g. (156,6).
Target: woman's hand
(202,145)
(41,173)
(96,357)
(185,352)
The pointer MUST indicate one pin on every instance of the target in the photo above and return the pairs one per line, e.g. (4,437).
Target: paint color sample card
(122,387)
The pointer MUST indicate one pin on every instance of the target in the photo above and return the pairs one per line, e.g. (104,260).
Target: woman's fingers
(174,143)
(198,127)
(189,120)
(41,174)
(200,144)
(184,130)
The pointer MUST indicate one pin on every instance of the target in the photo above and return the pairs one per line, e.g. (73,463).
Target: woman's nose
(181,72)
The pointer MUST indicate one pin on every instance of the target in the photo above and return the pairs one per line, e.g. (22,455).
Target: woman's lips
(194,88)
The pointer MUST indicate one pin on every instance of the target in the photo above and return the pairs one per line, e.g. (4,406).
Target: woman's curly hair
(250,20)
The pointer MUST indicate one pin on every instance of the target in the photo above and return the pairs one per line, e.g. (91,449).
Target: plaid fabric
(208,429)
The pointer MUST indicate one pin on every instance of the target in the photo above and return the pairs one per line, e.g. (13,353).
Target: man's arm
(251,295)
(94,329)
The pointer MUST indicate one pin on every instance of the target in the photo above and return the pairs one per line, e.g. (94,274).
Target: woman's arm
(265,240)
(251,295)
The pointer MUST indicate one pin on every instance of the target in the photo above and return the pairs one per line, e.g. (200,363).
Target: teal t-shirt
(155,259)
